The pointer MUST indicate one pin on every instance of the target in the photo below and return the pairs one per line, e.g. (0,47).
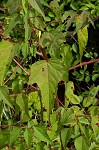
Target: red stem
(21,67)
(84,63)
(60,102)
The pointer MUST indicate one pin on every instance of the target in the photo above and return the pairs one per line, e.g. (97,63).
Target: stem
(83,64)
(21,67)
(12,74)
(62,147)
(39,93)
(57,99)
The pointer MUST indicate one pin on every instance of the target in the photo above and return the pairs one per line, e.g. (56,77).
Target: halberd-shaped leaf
(4,95)
(47,75)
(36,4)
(6,56)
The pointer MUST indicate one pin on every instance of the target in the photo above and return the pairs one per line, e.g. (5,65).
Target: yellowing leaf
(74,99)
(82,34)
(47,75)
(6,55)
(34,99)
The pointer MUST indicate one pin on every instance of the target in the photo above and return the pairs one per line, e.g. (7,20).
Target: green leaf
(56,9)
(52,40)
(4,95)
(66,54)
(66,134)
(47,19)
(14,134)
(41,133)
(68,117)
(74,6)
(28,136)
(76,130)
(81,144)
(67,14)
(94,122)
(36,4)
(94,77)
(70,21)
(13,5)
(88,101)
(17,86)
(70,95)
(74,47)
(4,137)
(86,131)
(83,120)
(82,34)
(87,78)
(94,91)
(47,75)
(1,109)
(6,56)
(22,102)
(34,99)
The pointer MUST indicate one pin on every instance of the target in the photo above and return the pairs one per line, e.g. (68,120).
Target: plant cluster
(49,75)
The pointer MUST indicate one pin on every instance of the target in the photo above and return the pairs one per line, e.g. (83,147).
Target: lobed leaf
(47,75)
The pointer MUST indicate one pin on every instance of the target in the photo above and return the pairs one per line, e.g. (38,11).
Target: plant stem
(83,64)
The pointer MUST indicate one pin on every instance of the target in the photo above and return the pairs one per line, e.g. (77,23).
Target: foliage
(49,75)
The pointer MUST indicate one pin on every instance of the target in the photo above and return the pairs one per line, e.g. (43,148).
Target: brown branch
(83,64)
(3,9)
(28,90)
(55,21)
(8,126)
(57,99)
(21,67)
(12,74)
(40,54)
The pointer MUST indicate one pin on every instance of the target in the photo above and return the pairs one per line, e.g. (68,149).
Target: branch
(57,99)
(21,67)
(12,74)
(83,64)
(3,9)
